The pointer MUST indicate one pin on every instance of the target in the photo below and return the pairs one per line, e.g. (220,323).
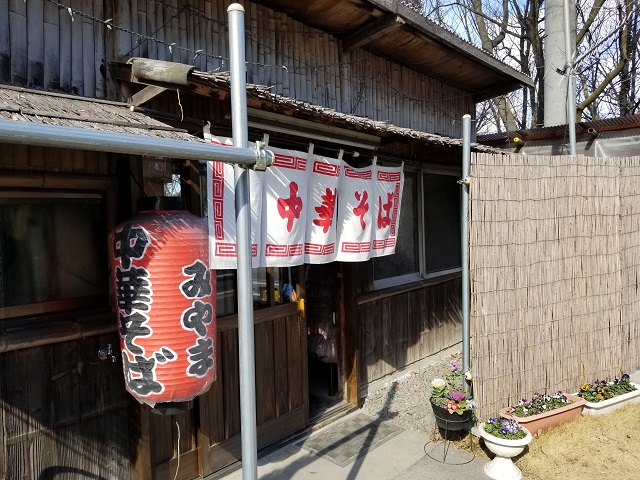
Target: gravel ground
(405,400)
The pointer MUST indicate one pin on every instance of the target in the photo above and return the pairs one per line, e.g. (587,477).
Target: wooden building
(369,77)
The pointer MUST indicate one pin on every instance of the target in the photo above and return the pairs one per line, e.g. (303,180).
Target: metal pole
(464,223)
(243,231)
(38,134)
(571,81)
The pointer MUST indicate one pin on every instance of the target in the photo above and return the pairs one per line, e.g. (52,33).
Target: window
(276,283)
(441,206)
(429,232)
(404,265)
(271,286)
(52,252)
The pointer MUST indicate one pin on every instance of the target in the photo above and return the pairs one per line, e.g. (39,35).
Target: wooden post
(100,56)
(18,41)
(88,50)
(143,466)
(35,45)
(182,56)
(5,44)
(348,328)
(77,60)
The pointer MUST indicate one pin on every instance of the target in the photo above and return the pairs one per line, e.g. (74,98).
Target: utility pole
(557,49)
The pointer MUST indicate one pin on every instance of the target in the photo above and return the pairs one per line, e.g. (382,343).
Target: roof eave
(439,34)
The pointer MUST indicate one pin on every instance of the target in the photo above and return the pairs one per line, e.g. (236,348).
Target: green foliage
(603,390)
(448,393)
(505,428)
(540,403)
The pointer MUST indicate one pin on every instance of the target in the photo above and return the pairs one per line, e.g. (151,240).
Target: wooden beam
(230,322)
(370,31)
(122,73)
(349,331)
(55,330)
(145,95)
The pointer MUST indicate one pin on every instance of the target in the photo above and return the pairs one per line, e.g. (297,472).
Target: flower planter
(607,406)
(502,467)
(450,421)
(543,421)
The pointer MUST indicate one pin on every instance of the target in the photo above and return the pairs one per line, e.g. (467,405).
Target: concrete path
(402,457)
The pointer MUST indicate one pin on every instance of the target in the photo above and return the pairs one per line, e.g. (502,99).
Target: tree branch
(587,24)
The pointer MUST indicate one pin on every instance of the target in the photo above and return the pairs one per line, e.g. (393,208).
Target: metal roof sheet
(559,131)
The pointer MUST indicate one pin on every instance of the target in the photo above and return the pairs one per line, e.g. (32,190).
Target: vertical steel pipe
(464,223)
(571,80)
(243,231)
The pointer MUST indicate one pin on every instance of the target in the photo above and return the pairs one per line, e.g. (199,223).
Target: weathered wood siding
(401,329)
(64,413)
(27,159)
(42,45)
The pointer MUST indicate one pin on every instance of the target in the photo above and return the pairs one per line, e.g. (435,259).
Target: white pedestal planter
(502,467)
(607,406)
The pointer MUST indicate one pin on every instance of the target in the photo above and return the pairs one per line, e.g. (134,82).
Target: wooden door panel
(281,380)
(281,386)
(230,375)
(230,451)
(265,374)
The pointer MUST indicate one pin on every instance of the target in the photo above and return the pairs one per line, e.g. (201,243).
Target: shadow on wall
(402,329)
(64,412)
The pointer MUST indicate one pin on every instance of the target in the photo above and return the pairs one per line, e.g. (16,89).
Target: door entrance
(325,391)
(282,405)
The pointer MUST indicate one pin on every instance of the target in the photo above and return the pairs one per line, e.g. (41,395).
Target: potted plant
(506,439)
(604,396)
(544,411)
(452,408)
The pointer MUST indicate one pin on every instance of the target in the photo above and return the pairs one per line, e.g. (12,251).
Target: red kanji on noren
(363,207)
(325,210)
(291,207)
(385,220)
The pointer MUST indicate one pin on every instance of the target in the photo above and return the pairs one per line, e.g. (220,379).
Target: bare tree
(606,57)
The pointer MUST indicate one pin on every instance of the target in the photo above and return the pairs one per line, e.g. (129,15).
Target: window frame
(422,273)
(25,197)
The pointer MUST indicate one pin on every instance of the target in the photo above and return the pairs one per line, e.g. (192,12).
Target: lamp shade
(165,302)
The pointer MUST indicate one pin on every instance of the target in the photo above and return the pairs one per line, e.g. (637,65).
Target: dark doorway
(325,390)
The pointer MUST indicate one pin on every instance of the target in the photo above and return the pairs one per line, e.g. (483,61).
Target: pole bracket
(264,157)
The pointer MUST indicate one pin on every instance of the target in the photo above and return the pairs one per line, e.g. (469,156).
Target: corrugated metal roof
(559,131)
(25,105)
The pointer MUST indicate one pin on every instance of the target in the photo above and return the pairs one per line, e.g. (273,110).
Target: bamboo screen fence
(555,259)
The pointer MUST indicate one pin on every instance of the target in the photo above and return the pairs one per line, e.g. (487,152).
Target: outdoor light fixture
(519,143)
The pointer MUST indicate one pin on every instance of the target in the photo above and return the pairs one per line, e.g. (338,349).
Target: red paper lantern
(165,302)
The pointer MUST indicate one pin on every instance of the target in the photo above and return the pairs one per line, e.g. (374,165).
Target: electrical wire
(327,69)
